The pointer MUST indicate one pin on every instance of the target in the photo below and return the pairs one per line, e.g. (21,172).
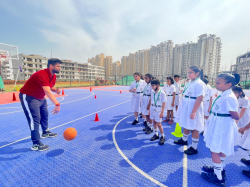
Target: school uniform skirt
(177,99)
(245,118)
(206,107)
(169,103)
(245,140)
(220,134)
(183,115)
(136,103)
(144,104)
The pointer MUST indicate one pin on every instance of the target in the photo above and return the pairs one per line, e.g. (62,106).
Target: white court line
(52,105)
(68,122)
(129,162)
(185,179)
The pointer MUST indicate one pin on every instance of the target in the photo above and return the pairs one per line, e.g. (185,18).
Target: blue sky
(79,29)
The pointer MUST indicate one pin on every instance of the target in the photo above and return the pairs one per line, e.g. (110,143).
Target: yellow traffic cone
(177,133)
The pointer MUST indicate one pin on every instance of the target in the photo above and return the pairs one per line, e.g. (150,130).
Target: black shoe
(155,137)
(180,142)
(48,134)
(162,140)
(245,161)
(149,131)
(210,169)
(246,173)
(145,123)
(140,115)
(135,122)
(202,133)
(146,128)
(39,147)
(191,151)
(212,178)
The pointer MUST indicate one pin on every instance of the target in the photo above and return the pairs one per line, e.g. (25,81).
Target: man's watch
(58,104)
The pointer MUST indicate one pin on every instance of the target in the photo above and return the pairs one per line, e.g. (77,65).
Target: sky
(78,29)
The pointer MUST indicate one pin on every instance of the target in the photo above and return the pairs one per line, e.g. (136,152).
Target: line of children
(136,89)
(190,114)
(170,91)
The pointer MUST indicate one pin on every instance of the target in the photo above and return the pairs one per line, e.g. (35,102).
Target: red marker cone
(90,89)
(14,97)
(120,91)
(95,96)
(96,117)
(62,92)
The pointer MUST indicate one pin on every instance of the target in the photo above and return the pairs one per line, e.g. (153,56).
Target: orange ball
(70,134)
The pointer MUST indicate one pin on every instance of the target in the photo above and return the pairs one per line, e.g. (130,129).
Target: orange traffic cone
(120,91)
(14,97)
(96,117)
(90,89)
(62,92)
(95,96)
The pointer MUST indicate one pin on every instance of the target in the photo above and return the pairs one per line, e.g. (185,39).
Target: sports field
(110,152)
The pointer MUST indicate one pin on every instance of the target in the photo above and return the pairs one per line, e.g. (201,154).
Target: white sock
(163,135)
(185,137)
(195,143)
(136,118)
(151,125)
(156,132)
(147,123)
(222,163)
(217,170)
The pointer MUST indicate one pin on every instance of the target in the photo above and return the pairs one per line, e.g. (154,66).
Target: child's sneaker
(149,131)
(246,173)
(191,151)
(145,123)
(165,120)
(171,122)
(180,142)
(212,178)
(146,128)
(162,140)
(39,147)
(245,161)
(155,137)
(48,134)
(135,122)
(210,169)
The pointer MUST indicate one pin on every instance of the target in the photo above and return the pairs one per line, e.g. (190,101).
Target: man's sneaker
(48,134)
(245,161)
(162,140)
(145,123)
(155,137)
(135,122)
(180,142)
(39,147)
(191,151)
(212,178)
(210,169)
(146,128)
(149,131)
(246,173)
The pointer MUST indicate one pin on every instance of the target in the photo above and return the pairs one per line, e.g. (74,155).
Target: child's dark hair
(177,76)
(139,74)
(205,80)
(238,89)
(196,69)
(150,76)
(230,78)
(171,79)
(155,81)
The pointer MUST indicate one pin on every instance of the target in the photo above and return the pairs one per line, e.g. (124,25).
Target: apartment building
(124,65)
(108,66)
(116,69)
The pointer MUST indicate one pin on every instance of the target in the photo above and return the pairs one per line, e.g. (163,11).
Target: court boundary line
(185,166)
(128,161)
(68,122)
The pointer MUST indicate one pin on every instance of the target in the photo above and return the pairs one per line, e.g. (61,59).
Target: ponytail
(196,69)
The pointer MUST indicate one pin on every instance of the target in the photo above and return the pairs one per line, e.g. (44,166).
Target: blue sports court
(110,152)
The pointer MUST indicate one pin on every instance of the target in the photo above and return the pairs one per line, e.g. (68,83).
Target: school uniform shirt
(221,132)
(137,95)
(157,100)
(169,93)
(243,103)
(193,89)
(206,99)
(177,93)
(145,99)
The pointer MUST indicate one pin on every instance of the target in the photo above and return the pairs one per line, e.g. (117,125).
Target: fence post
(122,79)
(126,80)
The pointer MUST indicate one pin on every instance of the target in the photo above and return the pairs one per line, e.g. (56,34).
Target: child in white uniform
(178,90)
(221,130)
(144,104)
(245,143)
(208,99)
(170,93)
(156,107)
(137,91)
(190,114)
